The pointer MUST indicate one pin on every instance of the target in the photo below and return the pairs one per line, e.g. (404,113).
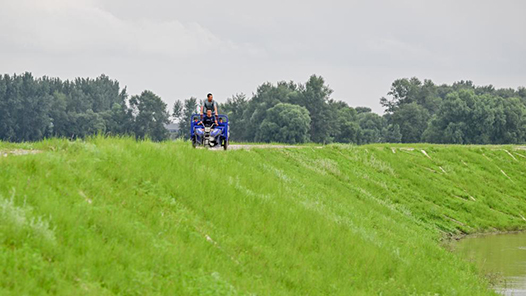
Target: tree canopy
(461,113)
(415,111)
(32,109)
(285,123)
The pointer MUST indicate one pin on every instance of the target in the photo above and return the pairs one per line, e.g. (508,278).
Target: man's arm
(202,107)
(215,109)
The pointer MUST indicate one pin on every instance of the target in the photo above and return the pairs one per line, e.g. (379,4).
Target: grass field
(116,216)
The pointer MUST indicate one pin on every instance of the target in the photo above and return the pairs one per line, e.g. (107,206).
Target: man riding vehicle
(209,119)
(209,104)
(211,131)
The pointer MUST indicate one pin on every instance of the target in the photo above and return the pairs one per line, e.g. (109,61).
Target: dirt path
(261,146)
(16,152)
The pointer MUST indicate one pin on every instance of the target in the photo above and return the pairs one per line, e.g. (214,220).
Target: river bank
(117,216)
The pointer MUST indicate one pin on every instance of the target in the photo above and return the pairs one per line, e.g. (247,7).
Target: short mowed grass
(112,216)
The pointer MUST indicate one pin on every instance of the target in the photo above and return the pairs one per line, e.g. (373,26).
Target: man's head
(210,97)
(209,113)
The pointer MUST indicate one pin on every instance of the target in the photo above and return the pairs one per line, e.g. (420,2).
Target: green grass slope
(116,216)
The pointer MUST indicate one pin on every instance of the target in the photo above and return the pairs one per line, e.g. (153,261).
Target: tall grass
(115,216)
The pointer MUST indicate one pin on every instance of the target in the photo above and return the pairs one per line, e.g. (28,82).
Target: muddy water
(502,257)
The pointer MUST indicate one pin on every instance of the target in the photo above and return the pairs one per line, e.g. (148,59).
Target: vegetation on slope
(116,216)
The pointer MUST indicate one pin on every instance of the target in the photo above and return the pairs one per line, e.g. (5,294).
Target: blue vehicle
(210,136)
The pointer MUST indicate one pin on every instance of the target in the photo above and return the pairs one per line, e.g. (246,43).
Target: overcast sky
(180,49)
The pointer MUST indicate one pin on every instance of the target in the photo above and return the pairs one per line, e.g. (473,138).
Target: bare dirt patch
(18,152)
(262,146)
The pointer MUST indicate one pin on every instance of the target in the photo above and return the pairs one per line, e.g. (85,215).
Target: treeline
(288,112)
(32,109)
(461,113)
(415,111)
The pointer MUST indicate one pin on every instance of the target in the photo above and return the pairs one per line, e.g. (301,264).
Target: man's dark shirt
(207,121)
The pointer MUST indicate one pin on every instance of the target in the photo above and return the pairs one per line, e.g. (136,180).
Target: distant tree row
(461,113)
(415,111)
(288,112)
(32,109)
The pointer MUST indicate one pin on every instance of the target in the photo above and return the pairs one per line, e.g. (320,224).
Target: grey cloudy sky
(180,49)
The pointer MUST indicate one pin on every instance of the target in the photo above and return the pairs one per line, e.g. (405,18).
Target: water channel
(502,257)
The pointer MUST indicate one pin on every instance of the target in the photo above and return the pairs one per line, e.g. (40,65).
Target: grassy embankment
(115,216)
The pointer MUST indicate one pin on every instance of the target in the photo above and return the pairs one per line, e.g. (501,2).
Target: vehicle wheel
(225,144)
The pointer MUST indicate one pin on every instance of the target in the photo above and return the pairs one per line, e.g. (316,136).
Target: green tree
(407,91)
(119,119)
(177,111)
(521,93)
(510,121)
(360,110)
(344,123)
(392,134)
(266,97)
(30,104)
(60,122)
(412,121)
(88,123)
(448,125)
(371,125)
(285,123)
(315,97)
(7,108)
(467,118)
(235,108)
(189,108)
(403,91)
(150,116)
